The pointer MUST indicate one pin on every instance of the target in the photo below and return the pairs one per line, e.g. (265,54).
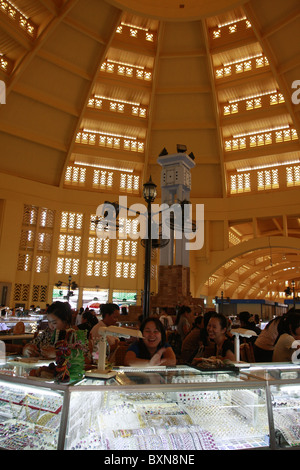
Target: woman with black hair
(197,343)
(152,349)
(289,331)
(89,320)
(184,321)
(59,315)
(217,328)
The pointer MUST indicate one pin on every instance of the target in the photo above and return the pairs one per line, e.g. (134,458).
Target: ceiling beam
(38,44)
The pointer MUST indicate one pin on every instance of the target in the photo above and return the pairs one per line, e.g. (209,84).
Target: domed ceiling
(112,83)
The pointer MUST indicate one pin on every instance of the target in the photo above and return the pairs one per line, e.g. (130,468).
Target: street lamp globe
(149,191)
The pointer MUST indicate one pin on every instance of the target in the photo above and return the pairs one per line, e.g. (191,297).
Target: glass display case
(30,417)
(284,389)
(174,408)
(169,409)
(31,323)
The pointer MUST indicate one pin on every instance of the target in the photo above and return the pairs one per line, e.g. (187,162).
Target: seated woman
(88,321)
(223,346)
(59,316)
(152,349)
(196,343)
(184,321)
(289,331)
(190,344)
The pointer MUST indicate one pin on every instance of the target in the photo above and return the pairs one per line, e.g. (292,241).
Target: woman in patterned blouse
(59,317)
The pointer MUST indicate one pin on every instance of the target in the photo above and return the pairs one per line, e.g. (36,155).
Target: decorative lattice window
(30,215)
(117,107)
(97,268)
(44,241)
(135,32)
(46,218)
(21,292)
(241,66)
(39,293)
(102,179)
(276,98)
(285,135)
(129,143)
(67,266)
(235,144)
(253,103)
(139,111)
(126,248)
(71,221)
(24,262)
(128,227)
(21,19)
(98,246)
(69,243)
(125,270)
(293,176)
(5,64)
(36,233)
(126,70)
(129,182)
(27,239)
(75,175)
(231,108)
(42,264)
(240,183)
(267,179)
(95,103)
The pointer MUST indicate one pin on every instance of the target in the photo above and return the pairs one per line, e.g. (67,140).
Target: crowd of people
(186,338)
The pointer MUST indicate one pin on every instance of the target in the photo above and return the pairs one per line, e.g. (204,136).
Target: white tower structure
(175,188)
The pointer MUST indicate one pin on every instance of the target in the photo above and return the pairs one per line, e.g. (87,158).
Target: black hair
(108,309)
(61,310)
(158,325)
(197,322)
(244,316)
(183,309)
(90,318)
(222,319)
(289,322)
(207,316)
(143,349)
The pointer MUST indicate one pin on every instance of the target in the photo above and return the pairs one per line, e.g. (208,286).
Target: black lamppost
(294,298)
(149,193)
(223,301)
(70,284)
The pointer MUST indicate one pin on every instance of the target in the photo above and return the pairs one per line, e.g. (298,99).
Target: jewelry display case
(174,408)
(31,323)
(30,416)
(284,389)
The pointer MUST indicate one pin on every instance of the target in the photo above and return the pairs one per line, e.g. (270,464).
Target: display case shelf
(177,408)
